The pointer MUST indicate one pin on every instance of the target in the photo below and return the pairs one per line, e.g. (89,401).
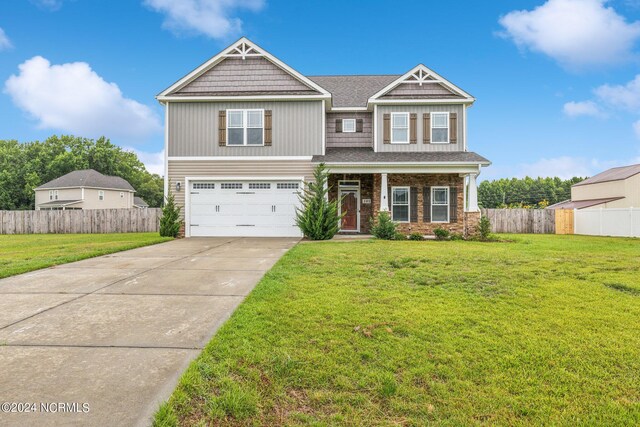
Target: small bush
(383,228)
(399,236)
(456,236)
(441,233)
(484,229)
(416,236)
(170,222)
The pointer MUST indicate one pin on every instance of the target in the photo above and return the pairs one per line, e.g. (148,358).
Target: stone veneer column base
(471,221)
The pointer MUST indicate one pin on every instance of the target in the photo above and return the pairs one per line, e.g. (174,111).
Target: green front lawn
(27,252)
(545,331)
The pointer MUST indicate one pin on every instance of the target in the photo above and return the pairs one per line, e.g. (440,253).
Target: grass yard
(27,252)
(543,331)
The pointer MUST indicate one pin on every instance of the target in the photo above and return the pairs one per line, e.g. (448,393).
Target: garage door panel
(248,208)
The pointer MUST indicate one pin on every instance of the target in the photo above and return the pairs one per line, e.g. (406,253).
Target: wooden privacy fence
(564,221)
(80,221)
(533,221)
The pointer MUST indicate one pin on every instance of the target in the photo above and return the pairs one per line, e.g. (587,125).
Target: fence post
(631,221)
(601,218)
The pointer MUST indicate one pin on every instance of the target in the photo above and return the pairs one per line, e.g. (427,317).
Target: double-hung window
(100,195)
(400,204)
(439,204)
(439,128)
(399,128)
(53,194)
(245,127)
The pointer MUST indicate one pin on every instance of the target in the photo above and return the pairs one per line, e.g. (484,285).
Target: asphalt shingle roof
(613,174)
(88,178)
(137,201)
(353,91)
(367,155)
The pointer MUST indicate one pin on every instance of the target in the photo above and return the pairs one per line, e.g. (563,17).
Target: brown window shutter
(359,124)
(453,204)
(386,128)
(267,128)
(222,128)
(453,128)
(389,199)
(426,204)
(413,128)
(413,204)
(338,125)
(426,128)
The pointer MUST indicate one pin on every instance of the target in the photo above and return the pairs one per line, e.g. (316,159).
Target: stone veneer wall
(420,181)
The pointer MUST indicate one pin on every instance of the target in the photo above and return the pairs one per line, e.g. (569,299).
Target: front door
(349,208)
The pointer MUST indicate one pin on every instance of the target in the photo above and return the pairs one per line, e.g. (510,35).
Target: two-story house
(244,131)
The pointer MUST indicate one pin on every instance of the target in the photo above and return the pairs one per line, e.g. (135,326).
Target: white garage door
(244,208)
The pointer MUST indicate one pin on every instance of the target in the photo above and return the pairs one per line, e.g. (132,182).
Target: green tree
(170,221)
(318,218)
(525,192)
(25,166)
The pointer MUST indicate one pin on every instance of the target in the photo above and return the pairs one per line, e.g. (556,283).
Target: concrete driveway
(108,337)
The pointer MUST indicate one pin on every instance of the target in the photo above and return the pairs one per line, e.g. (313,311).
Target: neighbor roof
(353,91)
(613,174)
(358,155)
(137,201)
(581,204)
(57,203)
(88,178)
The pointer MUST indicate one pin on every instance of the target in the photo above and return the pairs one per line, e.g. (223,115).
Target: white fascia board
(249,98)
(239,158)
(467,101)
(74,187)
(402,168)
(429,71)
(223,55)
(348,109)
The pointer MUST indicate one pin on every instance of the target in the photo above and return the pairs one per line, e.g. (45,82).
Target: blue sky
(555,80)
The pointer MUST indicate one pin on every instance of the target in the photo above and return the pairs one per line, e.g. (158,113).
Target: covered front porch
(418,202)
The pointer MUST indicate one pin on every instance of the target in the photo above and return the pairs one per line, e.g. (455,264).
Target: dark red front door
(350,211)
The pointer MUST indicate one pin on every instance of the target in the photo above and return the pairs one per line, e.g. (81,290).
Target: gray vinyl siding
(420,109)
(296,129)
(235,75)
(179,169)
(355,139)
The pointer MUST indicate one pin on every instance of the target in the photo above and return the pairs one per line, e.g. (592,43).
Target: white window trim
(344,128)
(448,126)
(245,126)
(408,203)
(448,205)
(55,195)
(101,195)
(408,126)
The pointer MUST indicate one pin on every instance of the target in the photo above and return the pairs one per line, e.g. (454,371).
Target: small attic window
(348,125)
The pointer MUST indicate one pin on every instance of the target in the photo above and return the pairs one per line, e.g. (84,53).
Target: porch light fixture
(178,186)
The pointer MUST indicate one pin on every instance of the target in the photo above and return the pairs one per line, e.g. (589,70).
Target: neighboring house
(613,188)
(139,203)
(244,131)
(85,189)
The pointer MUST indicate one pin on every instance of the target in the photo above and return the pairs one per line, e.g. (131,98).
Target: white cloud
(209,17)
(576,33)
(636,128)
(73,98)
(5,43)
(621,96)
(583,108)
(154,162)
(51,5)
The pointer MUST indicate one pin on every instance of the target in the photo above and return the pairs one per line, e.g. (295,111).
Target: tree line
(25,166)
(524,193)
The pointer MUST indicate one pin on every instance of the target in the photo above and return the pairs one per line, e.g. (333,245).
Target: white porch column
(472,206)
(384,194)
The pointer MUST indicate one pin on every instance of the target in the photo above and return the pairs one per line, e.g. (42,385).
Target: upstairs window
(245,127)
(440,128)
(348,125)
(399,128)
(100,195)
(53,194)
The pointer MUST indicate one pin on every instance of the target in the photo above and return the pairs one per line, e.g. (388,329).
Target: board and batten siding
(296,129)
(420,110)
(350,139)
(179,169)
